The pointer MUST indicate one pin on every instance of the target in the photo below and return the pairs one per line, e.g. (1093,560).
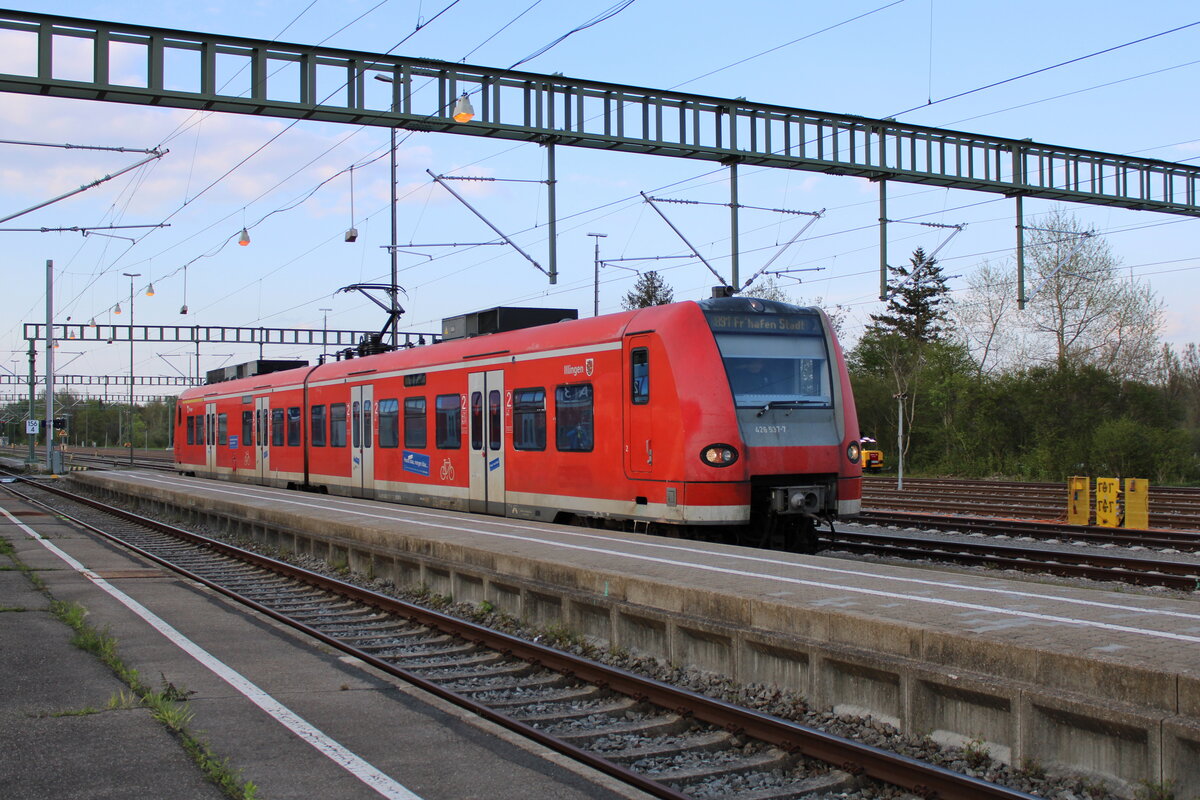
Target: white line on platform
(344,758)
(350,508)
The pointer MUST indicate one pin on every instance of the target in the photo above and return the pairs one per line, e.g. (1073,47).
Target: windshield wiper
(789,404)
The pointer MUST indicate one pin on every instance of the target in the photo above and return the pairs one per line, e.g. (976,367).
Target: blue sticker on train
(493,465)
(417,463)
(233,442)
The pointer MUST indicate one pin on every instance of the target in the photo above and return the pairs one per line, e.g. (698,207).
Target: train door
(210,436)
(362,436)
(262,438)
(486,406)
(639,411)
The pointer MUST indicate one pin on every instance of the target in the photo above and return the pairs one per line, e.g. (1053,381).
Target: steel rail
(1146,572)
(1126,537)
(925,780)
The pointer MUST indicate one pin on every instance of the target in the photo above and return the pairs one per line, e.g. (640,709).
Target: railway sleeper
(615,705)
(769,759)
(506,699)
(547,680)
(661,725)
(671,745)
(828,784)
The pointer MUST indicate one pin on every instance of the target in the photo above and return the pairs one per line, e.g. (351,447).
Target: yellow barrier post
(1079,501)
(1108,509)
(1137,503)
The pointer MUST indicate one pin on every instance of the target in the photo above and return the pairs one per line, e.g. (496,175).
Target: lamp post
(596,273)
(131,276)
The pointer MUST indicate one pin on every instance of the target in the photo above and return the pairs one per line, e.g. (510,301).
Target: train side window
(317,426)
(639,376)
(574,427)
(495,419)
(416,432)
(199,420)
(529,419)
(277,427)
(476,420)
(261,417)
(293,426)
(389,423)
(448,422)
(247,429)
(222,429)
(210,435)
(337,425)
(367,429)
(356,425)
(191,429)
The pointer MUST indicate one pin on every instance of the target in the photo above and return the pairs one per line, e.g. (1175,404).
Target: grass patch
(17,609)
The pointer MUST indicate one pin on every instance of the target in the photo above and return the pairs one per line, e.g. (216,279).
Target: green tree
(650,290)
(917,300)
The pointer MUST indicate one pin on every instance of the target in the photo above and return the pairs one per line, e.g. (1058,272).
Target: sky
(874,59)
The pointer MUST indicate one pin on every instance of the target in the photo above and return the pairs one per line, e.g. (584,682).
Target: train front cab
(795,417)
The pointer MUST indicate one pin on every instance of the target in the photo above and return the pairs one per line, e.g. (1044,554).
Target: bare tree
(1080,310)
(983,317)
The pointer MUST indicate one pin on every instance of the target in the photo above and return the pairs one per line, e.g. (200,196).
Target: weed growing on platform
(1155,790)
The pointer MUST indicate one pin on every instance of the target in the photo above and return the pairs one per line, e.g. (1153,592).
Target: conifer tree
(650,290)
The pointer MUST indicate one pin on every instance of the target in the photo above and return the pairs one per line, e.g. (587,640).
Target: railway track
(666,741)
(1173,507)
(1182,576)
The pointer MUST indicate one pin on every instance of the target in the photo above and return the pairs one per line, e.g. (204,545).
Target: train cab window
(293,426)
(191,429)
(476,420)
(639,376)
(367,429)
(337,425)
(247,429)
(389,423)
(317,426)
(415,430)
(783,368)
(495,419)
(574,426)
(448,422)
(529,419)
(222,429)
(277,427)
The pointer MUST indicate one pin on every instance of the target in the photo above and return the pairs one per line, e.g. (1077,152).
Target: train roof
(566,334)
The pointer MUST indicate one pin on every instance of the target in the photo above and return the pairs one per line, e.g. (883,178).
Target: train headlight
(853,452)
(719,455)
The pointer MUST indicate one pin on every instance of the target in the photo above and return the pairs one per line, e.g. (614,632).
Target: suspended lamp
(150,290)
(92,324)
(463,111)
(117,310)
(244,239)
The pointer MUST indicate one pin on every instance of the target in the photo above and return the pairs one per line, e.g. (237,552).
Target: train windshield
(783,365)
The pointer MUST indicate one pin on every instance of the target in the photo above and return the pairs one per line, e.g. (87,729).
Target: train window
(337,425)
(389,423)
(574,428)
(776,371)
(476,420)
(529,419)
(415,430)
(210,434)
(639,376)
(261,417)
(199,424)
(417,379)
(277,427)
(448,422)
(191,429)
(355,425)
(317,426)
(293,426)
(367,429)
(495,419)
(247,429)
(222,429)
(178,415)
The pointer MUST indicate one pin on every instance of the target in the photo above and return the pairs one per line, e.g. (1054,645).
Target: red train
(731,416)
